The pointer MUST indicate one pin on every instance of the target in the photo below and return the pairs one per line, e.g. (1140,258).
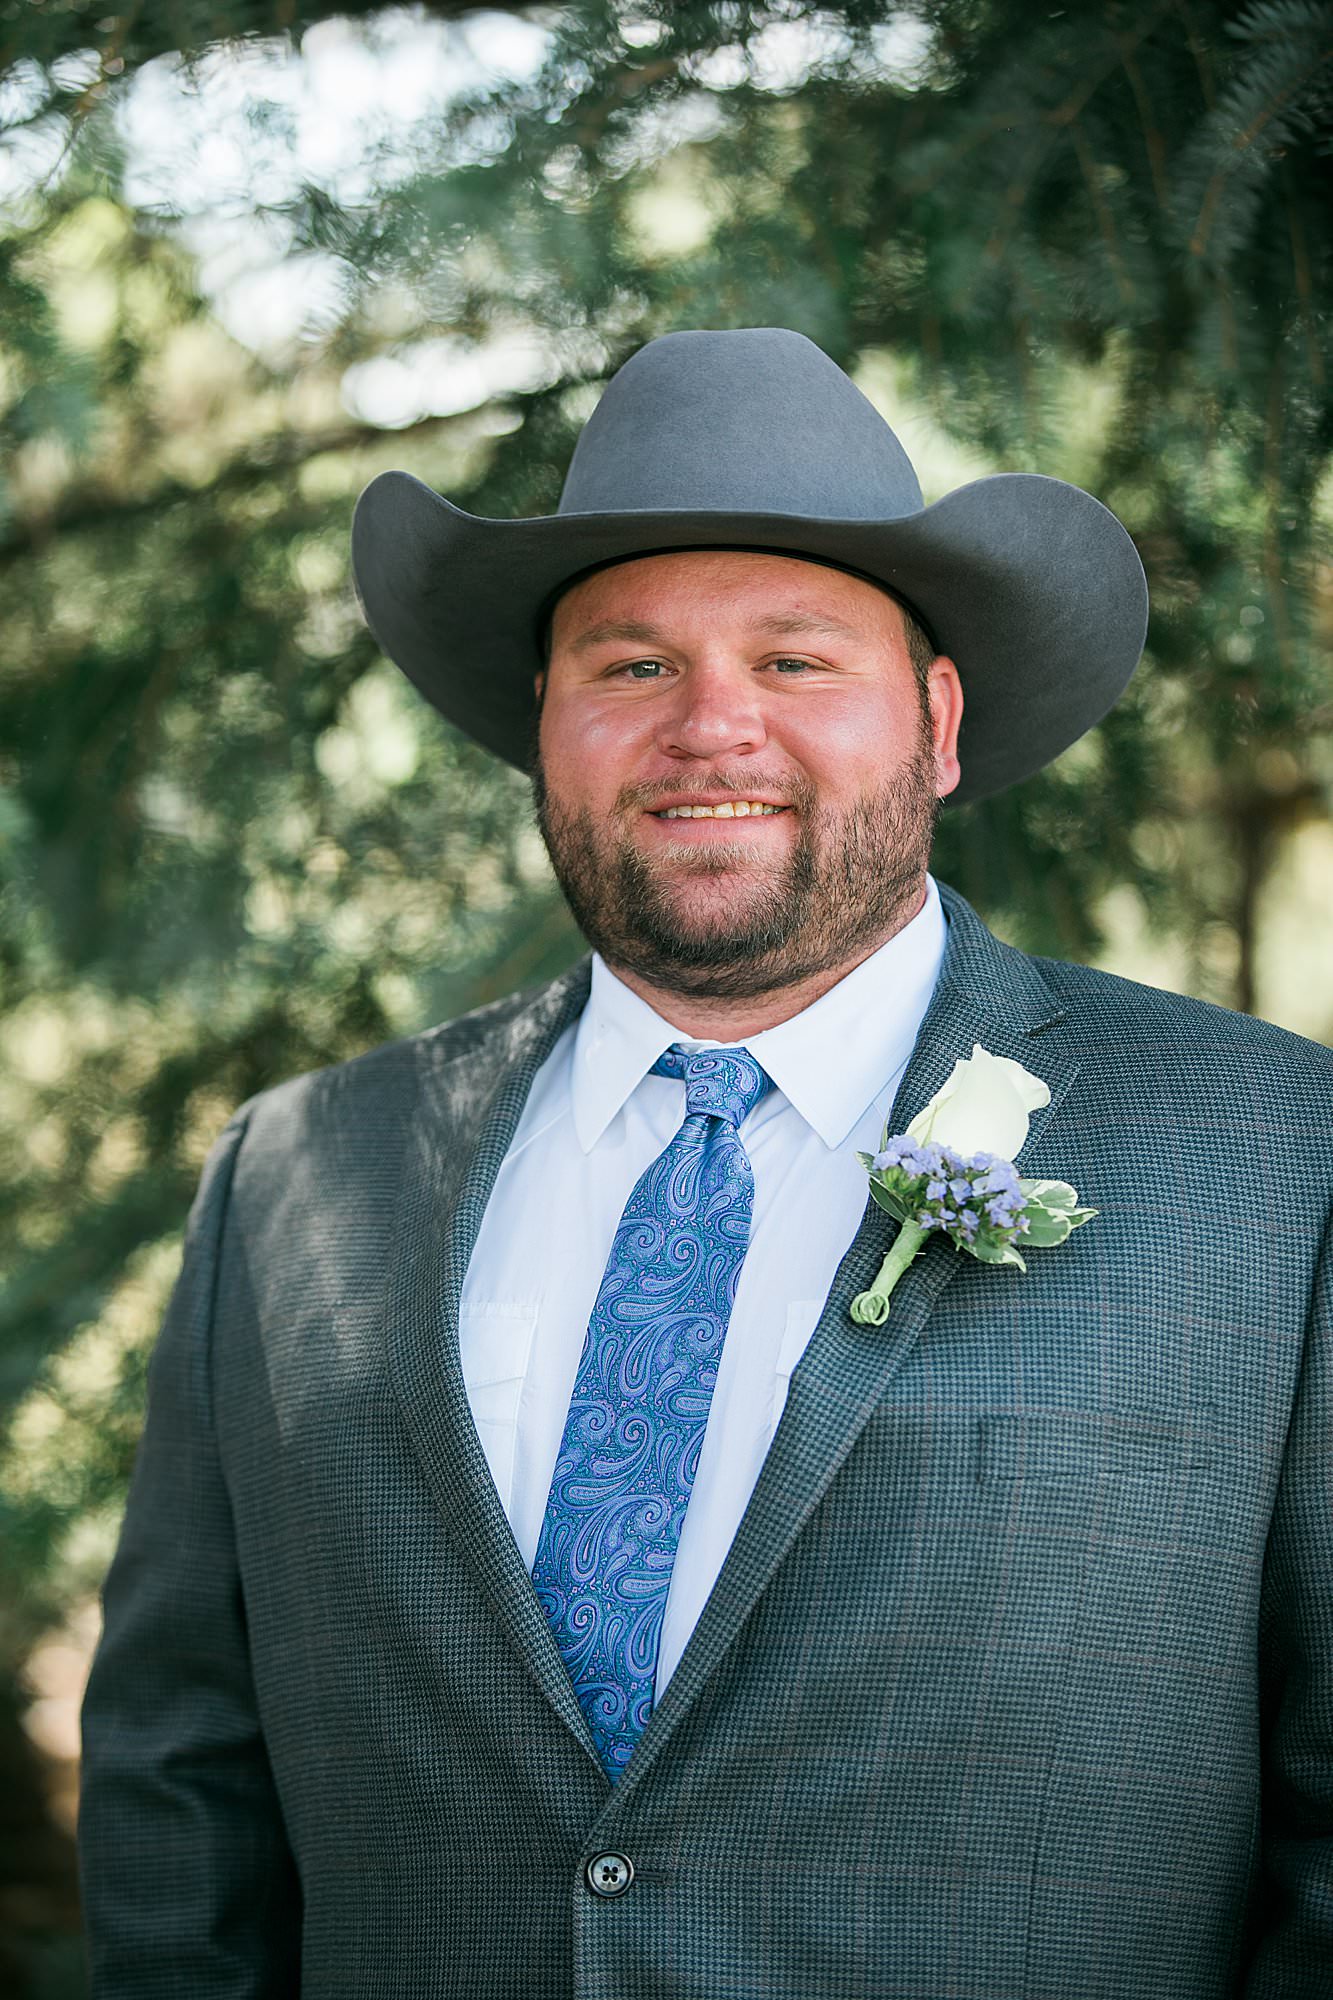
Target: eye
(640,670)
(787,663)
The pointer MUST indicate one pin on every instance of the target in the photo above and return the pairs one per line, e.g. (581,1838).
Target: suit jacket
(1017,1679)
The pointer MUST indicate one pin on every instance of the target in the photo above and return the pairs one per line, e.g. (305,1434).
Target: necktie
(637,1417)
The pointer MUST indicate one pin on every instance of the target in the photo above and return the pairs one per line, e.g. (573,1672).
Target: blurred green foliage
(1093,242)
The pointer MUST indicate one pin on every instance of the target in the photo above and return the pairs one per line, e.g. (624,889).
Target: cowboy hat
(756,439)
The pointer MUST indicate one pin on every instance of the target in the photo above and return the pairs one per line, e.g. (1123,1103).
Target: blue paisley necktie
(639,1409)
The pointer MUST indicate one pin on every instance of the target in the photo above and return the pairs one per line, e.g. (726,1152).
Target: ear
(946,713)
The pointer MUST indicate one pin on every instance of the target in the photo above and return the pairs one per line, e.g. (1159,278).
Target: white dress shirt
(593,1121)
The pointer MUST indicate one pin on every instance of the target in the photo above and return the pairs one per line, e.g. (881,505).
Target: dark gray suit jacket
(1016,1684)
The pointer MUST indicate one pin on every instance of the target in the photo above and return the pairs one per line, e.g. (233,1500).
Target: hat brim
(1029,584)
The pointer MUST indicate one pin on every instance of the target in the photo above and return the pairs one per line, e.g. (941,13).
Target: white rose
(983,1108)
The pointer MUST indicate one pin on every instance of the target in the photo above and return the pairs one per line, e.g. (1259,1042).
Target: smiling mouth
(739,809)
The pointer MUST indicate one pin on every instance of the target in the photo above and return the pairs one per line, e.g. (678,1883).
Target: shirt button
(610,1874)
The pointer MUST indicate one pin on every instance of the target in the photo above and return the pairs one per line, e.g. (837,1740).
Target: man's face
(714,678)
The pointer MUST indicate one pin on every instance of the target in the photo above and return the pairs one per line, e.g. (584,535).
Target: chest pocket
(1124,1483)
(1062,1446)
(495,1346)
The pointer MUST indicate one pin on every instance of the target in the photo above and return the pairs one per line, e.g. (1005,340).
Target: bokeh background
(253,252)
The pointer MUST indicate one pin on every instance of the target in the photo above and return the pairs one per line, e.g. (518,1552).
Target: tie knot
(719,1083)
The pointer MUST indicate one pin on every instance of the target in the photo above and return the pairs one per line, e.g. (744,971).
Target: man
(536,1581)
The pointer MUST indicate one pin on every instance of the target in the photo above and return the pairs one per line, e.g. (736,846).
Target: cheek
(850,740)
(589,747)
(586,755)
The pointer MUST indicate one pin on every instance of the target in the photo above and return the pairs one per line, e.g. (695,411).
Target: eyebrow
(776,624)
(782,624)
(616,628)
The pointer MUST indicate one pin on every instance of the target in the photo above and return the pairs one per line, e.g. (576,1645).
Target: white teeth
(742,809)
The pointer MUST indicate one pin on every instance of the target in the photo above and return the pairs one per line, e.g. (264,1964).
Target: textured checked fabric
(625,1469)
(1017,1682)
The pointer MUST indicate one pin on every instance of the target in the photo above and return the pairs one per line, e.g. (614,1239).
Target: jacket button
(609,1874)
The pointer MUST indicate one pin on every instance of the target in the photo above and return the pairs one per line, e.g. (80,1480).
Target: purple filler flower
(968,1197)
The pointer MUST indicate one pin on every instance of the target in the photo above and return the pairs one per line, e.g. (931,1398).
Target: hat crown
(757,420)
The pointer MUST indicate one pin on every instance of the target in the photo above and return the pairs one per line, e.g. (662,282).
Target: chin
(698,916)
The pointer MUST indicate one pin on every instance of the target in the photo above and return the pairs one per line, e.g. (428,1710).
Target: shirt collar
(830,1061)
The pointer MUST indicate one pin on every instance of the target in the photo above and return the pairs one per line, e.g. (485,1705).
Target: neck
(705,1019)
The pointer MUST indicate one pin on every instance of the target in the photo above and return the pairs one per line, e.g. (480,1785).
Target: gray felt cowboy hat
(756,439)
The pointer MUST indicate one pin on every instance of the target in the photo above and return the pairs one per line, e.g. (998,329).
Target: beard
(847,884)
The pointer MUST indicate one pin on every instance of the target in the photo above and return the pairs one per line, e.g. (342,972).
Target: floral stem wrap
(871,1308)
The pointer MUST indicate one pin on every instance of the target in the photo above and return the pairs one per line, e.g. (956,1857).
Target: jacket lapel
(989,993)
(466,1112)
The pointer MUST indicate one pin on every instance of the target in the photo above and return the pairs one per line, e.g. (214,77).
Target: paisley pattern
(641,1397)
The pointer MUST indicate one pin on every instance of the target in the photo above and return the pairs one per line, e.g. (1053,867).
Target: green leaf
(1051,1194)
(892,1204)
(1043,1230)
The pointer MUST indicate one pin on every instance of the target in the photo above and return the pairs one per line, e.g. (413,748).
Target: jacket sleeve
(188,1882)
(1293,1957)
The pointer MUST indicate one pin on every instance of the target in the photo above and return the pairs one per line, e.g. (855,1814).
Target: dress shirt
(593,1121)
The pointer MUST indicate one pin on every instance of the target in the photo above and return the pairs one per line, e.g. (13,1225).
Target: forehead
(723,584)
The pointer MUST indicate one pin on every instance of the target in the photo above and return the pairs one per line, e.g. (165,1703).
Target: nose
(715,711)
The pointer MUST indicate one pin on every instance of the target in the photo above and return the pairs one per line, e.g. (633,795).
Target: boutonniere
(953,1170)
